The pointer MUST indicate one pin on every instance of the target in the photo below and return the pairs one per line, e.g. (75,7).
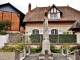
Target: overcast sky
(22,5)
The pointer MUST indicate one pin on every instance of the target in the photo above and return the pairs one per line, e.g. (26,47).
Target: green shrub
(4,26)
(67,38)
(20,46)
(35,38)
(64,46)
(3,32)
(8,48)
(54,49)
(74,48)
(39,48)
(36,50)
(13,48)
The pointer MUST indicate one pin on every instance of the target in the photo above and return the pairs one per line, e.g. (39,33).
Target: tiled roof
(76,25)
(38,13)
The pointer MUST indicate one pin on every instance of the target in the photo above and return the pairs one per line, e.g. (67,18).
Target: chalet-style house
(9,12)
(61,18)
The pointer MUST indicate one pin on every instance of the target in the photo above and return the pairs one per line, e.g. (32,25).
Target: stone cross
(46,42)
(45,29)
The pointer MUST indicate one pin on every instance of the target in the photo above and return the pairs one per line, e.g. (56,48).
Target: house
(76,29)
(11,13)
(61,18)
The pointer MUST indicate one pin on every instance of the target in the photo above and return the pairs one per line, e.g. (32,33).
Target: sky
(22,5)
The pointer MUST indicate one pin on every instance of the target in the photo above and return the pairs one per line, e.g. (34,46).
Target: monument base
(46,46)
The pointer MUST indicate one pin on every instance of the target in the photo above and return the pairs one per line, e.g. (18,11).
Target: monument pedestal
(46,46)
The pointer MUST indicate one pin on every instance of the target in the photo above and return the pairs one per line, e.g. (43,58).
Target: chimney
(29,7)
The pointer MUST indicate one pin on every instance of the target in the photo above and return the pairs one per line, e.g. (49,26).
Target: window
(54,31)
(53,16)
(35,31)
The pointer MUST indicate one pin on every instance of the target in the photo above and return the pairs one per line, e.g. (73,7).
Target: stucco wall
(78,37)
(3,39)
(61,29)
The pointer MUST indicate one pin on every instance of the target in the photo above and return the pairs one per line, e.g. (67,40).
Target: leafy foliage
(54,49)
(4,25)
(75,47)
(36,50)
(63,38)
(36,38)
(13,48)
(39,48)
(64,46)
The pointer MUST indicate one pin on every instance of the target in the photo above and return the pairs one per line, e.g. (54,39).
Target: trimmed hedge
(54,38)
(36,38)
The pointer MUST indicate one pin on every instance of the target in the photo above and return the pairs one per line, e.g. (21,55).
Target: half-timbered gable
(54,13)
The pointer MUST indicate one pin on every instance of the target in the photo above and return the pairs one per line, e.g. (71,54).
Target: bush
(36,50)
(35,38)
(3,32)
(39,48)
(74,48)
(64,46)
(54,49)
(4,26)
(8,48)
(13,48)
(21,46)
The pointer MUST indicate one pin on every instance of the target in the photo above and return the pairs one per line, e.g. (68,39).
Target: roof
(55,7)
(8,4)
(76,25)
(38,13)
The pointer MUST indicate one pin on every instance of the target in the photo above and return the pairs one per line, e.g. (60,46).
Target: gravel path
(8,55)
(56,56)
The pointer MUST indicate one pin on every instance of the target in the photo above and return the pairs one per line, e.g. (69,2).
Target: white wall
(3,39)
(78,37)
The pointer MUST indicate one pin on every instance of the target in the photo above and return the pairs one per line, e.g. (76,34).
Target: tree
(4,25)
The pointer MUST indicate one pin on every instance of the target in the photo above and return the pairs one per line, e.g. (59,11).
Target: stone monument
(46,42)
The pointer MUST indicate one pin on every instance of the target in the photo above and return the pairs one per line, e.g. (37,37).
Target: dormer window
(54,13)
(53,16)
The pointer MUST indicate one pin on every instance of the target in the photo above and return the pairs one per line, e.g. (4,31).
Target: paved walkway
(7,55)
(55,56)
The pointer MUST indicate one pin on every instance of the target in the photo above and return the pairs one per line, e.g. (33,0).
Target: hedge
(54,38)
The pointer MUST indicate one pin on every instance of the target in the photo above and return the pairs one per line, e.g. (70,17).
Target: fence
(76,54)
(16,38)
(38,38)
(56,38)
